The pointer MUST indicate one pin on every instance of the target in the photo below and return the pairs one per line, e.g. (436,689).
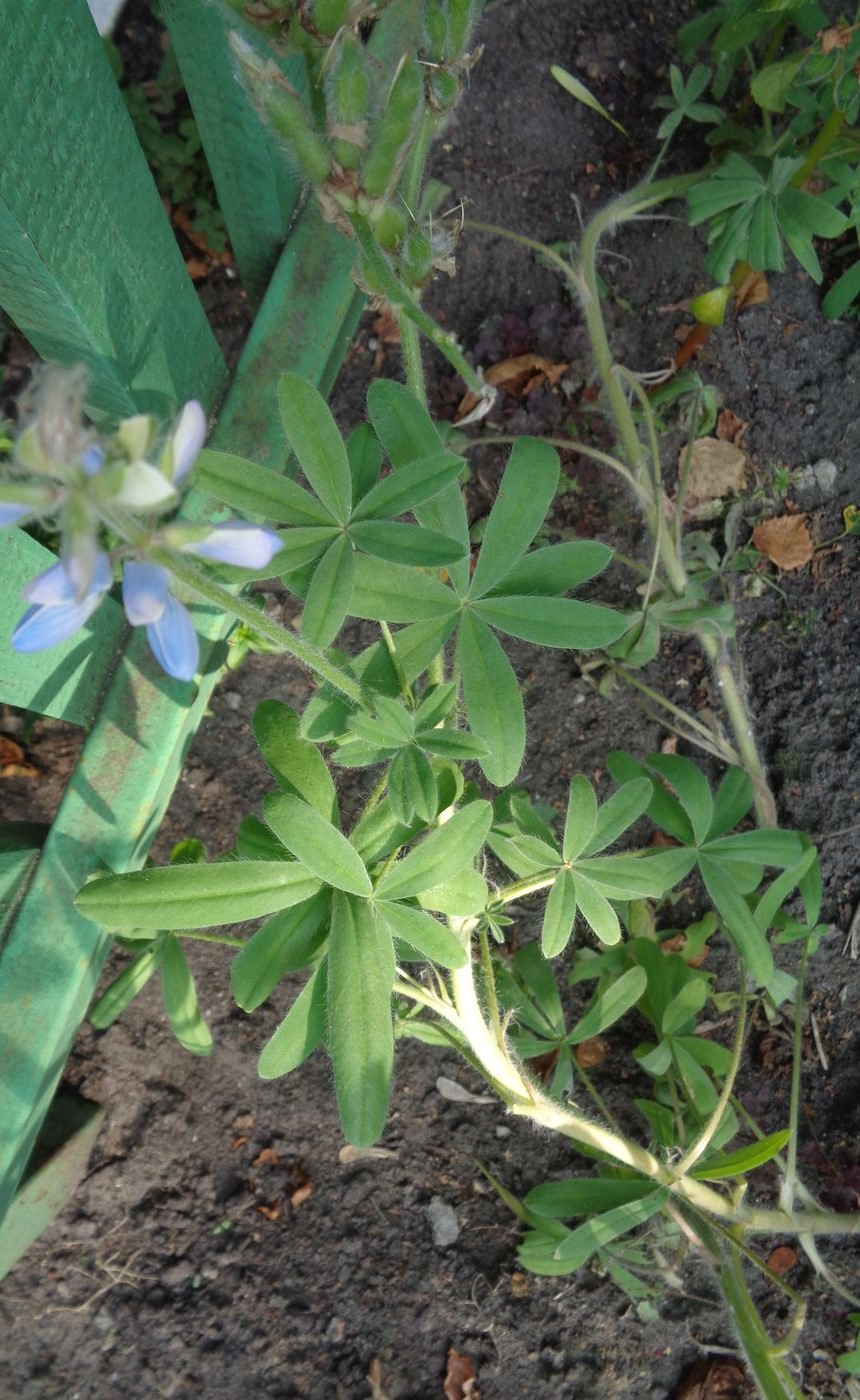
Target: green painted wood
(134,752)
(89,267)
(256,190)
(67,681)
(62,1152)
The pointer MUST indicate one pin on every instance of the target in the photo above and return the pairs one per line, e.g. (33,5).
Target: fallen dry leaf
(782,1259)
(591,1052)
(839,37)
(717,469)
(785,540)
(752,290)
(13,761)
(712,1379)
(460,1383)
(301,1194)
(730,428)
(267,1158)
(349,1154)
(518,377)
(519,1285)
(273,1210)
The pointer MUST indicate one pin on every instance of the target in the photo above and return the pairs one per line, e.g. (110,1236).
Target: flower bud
(135,436)
(328,16)
(390,227)
(395,129)
(416,258)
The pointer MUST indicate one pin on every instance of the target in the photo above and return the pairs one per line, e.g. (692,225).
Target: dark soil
(219,1245)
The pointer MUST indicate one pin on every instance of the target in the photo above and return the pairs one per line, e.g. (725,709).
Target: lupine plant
(398,921)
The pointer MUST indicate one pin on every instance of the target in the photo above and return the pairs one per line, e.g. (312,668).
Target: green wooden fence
(90,272)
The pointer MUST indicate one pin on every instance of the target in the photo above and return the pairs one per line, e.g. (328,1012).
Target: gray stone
(443,1223)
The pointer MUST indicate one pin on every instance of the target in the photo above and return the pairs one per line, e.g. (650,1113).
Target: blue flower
(187,439)
(174,641)
(57,610)
(10,514)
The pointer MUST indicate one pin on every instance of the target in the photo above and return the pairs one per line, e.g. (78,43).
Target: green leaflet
(559,915)
(555,569)
(412,786)
(527,488)
(364,454)
(405,544)
(124,988)
(287,942)
(553,622)
(319,846)
(314,437)
(300,1032)
(395,593)
(361,1035)
(618,813)
(329,593)
(581,1243)
(463,895)
(692,789)
(195,896)
(581,817)
(597,911)
(610,1005)
(296,765)
(745,1159)
(582,1195)
(180,1000)
(424,933)
(739,921)
(410,486)
(493,700)
(441,855)
(256,490)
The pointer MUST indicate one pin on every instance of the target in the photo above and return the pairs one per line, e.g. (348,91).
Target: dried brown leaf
(731,428)
(13,760)
(301,1194)
(267,1158)
(517,376)
(785,540)
(717,1378)
(717,469)
(752,290)
(460,1382)
(349,1154)
(273,1210)
(839,37)
(592,1052)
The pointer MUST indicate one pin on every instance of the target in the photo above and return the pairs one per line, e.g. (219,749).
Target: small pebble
(443,1223)
(502,1131)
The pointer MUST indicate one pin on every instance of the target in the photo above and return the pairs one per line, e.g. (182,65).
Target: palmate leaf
(361,970)
(301,1031)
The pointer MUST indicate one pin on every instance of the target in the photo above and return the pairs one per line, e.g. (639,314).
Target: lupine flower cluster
(105,498)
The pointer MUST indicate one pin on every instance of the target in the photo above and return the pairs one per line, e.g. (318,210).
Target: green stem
(214,938)
(706,739)
(413,175)
(568,445)
(237,606)
(400,301)
(405,687)
(820,146)
(410,349)
(489,983)
(702,1142)
(789,1184)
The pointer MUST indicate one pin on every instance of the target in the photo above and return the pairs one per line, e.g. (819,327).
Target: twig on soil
(851,946)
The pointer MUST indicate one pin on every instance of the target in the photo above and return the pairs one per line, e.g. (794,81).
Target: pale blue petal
(174,641)
(51,587)
(92,460)
(189,436)
(88,568)
(10,515)
(144,592)
(46,625)
(245,546)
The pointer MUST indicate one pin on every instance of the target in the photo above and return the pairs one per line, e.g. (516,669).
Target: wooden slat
(89,268)
(256,191)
